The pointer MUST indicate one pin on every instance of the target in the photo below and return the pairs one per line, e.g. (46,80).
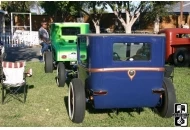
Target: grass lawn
(45,105)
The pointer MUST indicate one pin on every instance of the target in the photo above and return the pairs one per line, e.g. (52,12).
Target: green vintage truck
(63,54)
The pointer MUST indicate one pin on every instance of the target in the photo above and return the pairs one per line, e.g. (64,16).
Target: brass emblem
(131,74)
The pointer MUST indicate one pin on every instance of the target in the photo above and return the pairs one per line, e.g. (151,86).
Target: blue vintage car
(121,71)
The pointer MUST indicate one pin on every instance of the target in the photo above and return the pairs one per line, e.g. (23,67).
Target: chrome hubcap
(180,58)
(57,77)
(71,101)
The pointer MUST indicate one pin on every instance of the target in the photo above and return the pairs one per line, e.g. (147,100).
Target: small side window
(183,35)
(131,51)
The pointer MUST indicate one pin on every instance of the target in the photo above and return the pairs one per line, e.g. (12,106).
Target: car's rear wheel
(61,74)
(167,100)
(48,62)
(76,101)
(181,57)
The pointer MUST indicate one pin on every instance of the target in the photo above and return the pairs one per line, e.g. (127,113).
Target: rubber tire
(77,113)
(48,62)
(184,52)
(168,99)
(61,76)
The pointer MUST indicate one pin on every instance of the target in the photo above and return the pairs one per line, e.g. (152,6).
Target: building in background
(177,10)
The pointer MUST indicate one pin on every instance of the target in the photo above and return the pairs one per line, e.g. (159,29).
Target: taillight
(100,92)
(63,56)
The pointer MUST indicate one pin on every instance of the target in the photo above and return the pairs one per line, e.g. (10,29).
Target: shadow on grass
(16,92)
(22,53)
(68,80)
(110,112)
(66,104)
(19,90)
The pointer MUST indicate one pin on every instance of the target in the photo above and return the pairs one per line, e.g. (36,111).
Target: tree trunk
(127,28)
(156,24)
(156,27)
(129,22)
(97,26)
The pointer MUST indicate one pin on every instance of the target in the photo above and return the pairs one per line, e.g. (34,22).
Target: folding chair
(14,80)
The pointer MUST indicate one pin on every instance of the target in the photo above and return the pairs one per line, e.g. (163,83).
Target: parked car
(63,55)
(177,46)
(121,71)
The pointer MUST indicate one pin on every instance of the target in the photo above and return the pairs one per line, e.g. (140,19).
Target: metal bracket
(158,91)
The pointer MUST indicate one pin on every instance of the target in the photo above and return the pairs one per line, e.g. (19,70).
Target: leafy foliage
(66,8)
(95,11)
(52,7)
(17,6)
(157,8)
(132,12)
(151,10)
(61,8)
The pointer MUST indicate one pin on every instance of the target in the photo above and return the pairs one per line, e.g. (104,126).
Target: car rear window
(131,51)
(70,30)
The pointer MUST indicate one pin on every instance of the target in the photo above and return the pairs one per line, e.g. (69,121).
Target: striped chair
(14,80)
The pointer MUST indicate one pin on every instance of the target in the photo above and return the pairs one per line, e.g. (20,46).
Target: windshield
(70,30)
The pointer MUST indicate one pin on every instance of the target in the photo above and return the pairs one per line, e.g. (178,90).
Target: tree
(134,9)
(61,8)
(97,10)
(17,6)
(94,14)
(76,8)
(158,9)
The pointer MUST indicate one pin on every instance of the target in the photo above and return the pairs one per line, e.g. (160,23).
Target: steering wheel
(137,57)
(116,56)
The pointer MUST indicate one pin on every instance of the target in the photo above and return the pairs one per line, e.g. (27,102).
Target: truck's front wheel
(181,57)
(48,62)
(61,75)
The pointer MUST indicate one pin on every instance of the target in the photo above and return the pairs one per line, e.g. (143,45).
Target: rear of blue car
(125,70)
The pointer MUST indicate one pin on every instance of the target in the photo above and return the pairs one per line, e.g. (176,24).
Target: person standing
(44,38)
